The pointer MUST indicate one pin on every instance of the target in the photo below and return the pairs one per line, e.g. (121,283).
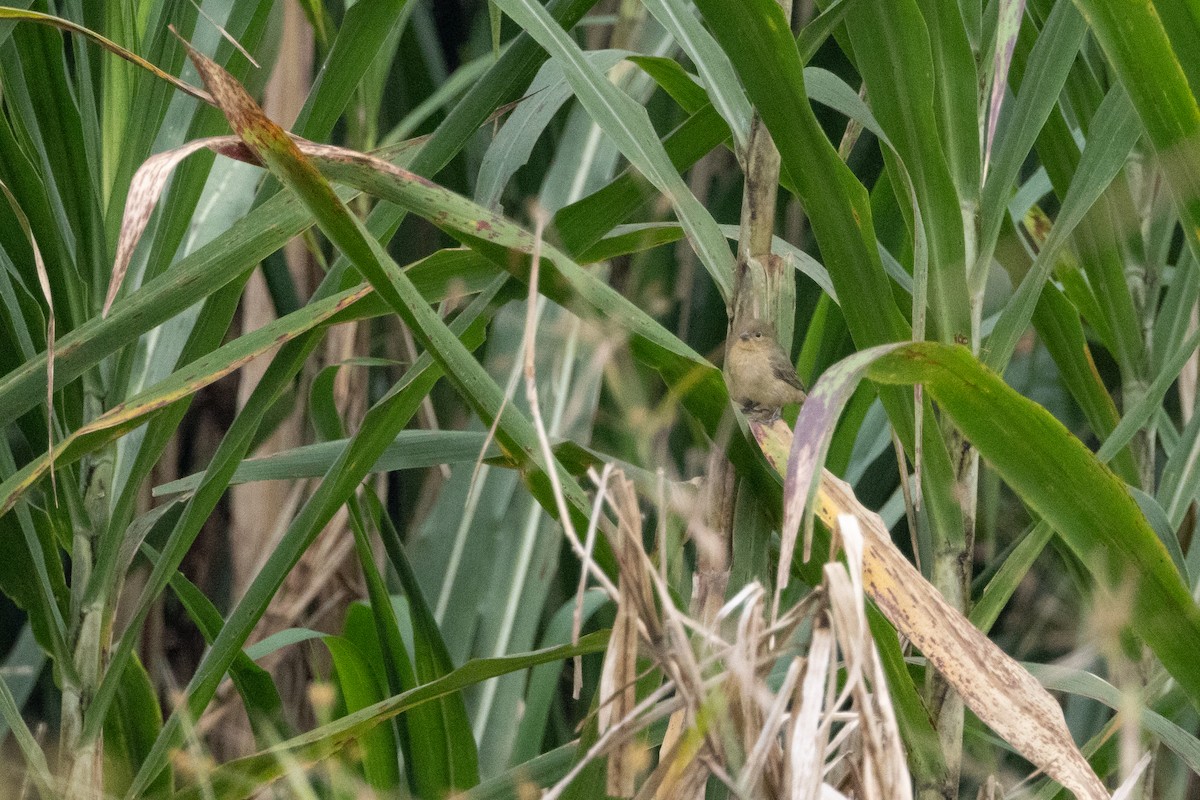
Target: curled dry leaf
(147,187)
(809,733)
(151,179)
(821,410)
(618,678)
(883,770)
(729,721)
(1000,692)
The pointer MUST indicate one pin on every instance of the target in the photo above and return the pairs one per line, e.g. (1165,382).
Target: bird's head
(756,333)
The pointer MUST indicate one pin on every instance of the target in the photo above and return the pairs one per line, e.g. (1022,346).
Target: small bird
(761,376)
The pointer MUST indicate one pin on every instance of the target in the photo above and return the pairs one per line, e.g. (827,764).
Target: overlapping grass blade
(244,777)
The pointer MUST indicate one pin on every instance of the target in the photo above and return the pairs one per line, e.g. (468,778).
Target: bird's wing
(787,374)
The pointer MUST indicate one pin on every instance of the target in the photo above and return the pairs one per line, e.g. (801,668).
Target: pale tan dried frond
(587,565)
(883,770)
(1000,692)
(749,699)
(727,723)
(884,766)
(618,694)
(656,706)
(765,771)
(1128,786)
(146,188)
(681,773)
(625,538)
(990,790)
(809,733)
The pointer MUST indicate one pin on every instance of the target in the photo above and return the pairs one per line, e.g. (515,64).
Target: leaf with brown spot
(1001,693)
(144,192)
(269,141)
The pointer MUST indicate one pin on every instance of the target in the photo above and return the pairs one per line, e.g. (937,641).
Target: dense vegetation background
(411,473)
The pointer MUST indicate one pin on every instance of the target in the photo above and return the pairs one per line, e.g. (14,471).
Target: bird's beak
(745,337)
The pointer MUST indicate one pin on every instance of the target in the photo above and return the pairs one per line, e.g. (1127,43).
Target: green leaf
(514,433)
(32,576)
(639,237)
(713,65)
(1058,325)
(1137,45)
(673,79)
(1112,138)
(379,427)
(1060,479)
(413,449)
(20,672)
(1048,66)
(1012,571)
(1180,480)
(629,126)
(1162,529)
(543,770)
(196,277)
(890,39)
(583,223)
(816,32)
(363,32)
(428,751)
(180,384)
(442,737)
(510,149)
(1084,684)
(544,680)
(1151,401)
(259,693)
(697,382)
(35,759)
(247,776)
(360,689)
(129,732)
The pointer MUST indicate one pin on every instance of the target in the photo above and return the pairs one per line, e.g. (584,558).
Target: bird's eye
(758,335)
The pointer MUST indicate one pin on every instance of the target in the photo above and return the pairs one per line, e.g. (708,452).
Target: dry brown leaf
(1000,692)
(809,736)
(618,679)
(144,191)
(882,765)
(618,697)
(766,766)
